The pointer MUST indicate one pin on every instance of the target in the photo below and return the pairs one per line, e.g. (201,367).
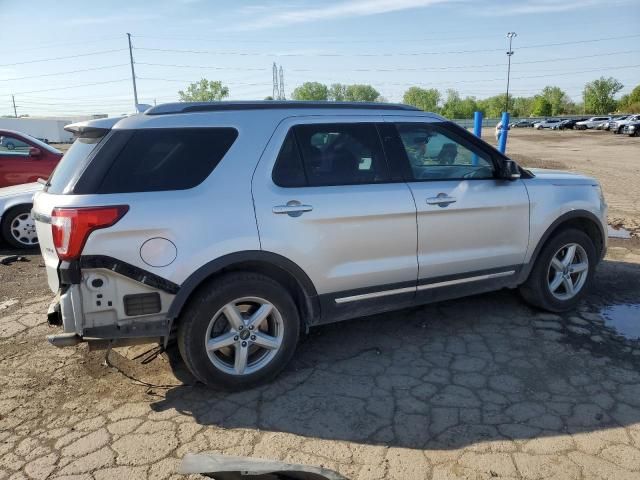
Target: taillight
(71,226)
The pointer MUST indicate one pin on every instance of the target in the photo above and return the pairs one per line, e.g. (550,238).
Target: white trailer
(49,128)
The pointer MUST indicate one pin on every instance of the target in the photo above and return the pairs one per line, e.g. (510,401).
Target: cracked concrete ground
(482,387)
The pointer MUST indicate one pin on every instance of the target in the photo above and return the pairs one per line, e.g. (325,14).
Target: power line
(62,44)
(379,54)
(75,86)
(575,42)
(63,58)
(399,69)
(488,35)
(189,81)
(64,73)
(248,69)
(557,74)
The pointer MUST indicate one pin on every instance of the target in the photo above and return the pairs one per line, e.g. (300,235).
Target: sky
(72,57)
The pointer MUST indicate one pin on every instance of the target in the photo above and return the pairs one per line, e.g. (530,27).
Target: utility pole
(510,36)
(133,73)
(15,112)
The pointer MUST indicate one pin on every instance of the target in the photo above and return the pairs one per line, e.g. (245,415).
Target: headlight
(631,128)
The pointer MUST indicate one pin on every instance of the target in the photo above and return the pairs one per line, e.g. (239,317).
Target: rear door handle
(442,200)
(292,208)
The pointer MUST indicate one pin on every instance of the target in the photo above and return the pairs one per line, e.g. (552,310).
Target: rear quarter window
(166,159)
(72,164)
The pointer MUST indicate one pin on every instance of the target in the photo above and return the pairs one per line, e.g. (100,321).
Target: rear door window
(341,154)
(166,159)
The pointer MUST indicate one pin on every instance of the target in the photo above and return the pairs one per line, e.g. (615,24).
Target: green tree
(424,99)
(204,91)
(630,103)
(338,92)
(521,106)
(557,98)
(541,106)
(599,95)
(311,91)
(456,107)
(493,107)
(361,93)
(634,96)
(353,93)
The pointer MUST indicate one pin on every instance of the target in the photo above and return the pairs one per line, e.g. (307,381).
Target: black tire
(7,220)
(536,290)
(211,298)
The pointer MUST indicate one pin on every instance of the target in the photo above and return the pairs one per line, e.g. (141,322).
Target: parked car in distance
(24,159)
(324,211)
(592,122)
(521,124)
(17,227)
(607,125)
(632,129)
(548,123)
(617,126)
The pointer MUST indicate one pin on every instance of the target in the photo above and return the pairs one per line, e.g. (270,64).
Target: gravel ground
(483,387)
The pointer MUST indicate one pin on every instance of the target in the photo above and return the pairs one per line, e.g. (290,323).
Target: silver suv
(236,226)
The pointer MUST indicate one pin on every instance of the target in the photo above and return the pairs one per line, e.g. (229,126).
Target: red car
(24,159)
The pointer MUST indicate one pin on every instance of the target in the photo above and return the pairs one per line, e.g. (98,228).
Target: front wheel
(562,272)
(239,331)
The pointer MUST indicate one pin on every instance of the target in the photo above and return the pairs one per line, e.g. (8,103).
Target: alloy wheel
(244,336)
(568,271)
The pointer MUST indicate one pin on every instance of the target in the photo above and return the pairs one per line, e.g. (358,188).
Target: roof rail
(189,107)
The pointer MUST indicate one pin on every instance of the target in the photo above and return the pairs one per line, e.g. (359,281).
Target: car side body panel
(561,195)
(355,236)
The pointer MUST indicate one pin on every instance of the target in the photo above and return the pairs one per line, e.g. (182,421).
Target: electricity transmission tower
(276,89)
(281,93)
(278,83)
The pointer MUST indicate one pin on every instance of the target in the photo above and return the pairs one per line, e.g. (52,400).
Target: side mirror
(34,152)
(510,170)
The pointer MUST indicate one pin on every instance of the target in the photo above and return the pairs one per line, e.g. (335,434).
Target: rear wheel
(19,228)
(240,331)
(562,272)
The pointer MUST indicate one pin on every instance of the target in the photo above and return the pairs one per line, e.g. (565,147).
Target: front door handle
(442,200)
(293,208)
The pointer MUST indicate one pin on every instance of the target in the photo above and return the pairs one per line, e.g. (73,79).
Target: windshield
(73,162)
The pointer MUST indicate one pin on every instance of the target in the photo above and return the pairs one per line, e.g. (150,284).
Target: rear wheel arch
(582,220)
(279,268)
